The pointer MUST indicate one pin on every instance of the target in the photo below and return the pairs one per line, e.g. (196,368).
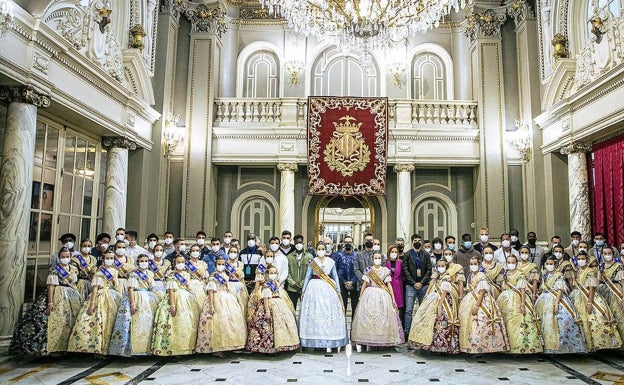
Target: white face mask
(393,256)
(607,257)
(377,261)
(104,246)
(120,252)
(86,250)
(109,262)
(151,245)
(227,240)
(220,268)
(201,242)
(441,270)
(484,238)
(575,242)
(437,246)
(474,268)
(180,266)
(273,277)
(251,243)
(286,242)
(69,245)
(269,260)
(328,248)
(488,257)
(158,254)
(64,261)
(320,253)
(584,249)
(427,249)
(143,265)
(120,237)
(233,255)
(582,262)
(168,241)
(299,246)
(550,267)
(514,238)
(524,256)
(376,247)
(195,254)
(274,247)
(506,243)
(511,266)
(182,248)
(215,248)
(448,258)
(559,255)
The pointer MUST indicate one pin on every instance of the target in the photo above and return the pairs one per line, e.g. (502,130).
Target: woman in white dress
(322,322)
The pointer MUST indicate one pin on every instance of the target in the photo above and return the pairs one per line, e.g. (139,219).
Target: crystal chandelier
(357,24)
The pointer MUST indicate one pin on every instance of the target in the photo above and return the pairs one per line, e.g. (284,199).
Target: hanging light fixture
(6,16)
(362,24)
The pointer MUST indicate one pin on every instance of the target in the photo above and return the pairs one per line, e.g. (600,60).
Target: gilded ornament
(347,151)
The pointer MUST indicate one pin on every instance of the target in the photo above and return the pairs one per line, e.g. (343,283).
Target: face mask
(467,244)
(182,248)
(274,247)
(127,242)
(427,249)
(180,266)
(488,257)
(320,253)
(441,270)
(158,254)
(328,248)
(220,268)
(550,267)
(151,245)
(377,261)
(506,243)
(69,245)
(448,258)
(532,241)
(401,248)
(273,277)
(269,260)
(168,241)
(368,244)
(86,250)
(437,246)
(119,237)
(348,247)
(143,265)
(451,246)
(108,262)
(582,249)
(104,246)
(376,247)
(393,256)
(607,257)
(514,238)
(299,246)
(575,242)
(227,240)
(474,268)
(511,266)
(484,238)
(599,242)
(195,254)
(286,242)
(559,255)
(64,261)
(251,243)
(524,256)
(233,255)
(215,248)
(581,262)
(120,252)
(201,242)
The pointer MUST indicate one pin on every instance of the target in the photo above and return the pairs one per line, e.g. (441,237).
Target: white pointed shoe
(328,350)
(358,348)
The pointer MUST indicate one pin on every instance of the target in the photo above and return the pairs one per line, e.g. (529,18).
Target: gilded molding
(519,11)
(173,7)
(118,142)
(282,166)
(404,167)
(576,147)
(484,23)
(205,19)
(24,94)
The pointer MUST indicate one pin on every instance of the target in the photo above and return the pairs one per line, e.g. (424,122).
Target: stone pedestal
(287,196)
(116,190)
(404,199)
(16,178)
(578,188)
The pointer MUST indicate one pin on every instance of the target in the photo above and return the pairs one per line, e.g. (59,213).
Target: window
(428,77)
(257,216)
(261,76)
(337,74)
(431,219)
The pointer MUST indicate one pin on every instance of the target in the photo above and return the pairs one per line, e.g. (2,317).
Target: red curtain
(608,190)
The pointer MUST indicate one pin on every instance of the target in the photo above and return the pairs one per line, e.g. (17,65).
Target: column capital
(24,94)
(118,142)
(173,7)
(403,167)
(284,166)
(484,23)
(576,147)
(206,19)
(519,11)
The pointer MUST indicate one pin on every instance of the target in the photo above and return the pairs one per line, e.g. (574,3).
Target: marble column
(357,233)
(287,196)
(578,188)
(404,199)
(16,178)
(116,189)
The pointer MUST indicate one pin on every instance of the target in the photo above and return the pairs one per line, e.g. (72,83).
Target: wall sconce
(172,134)
(560,46)
(137,33)
(397,72)
(521,139)
(294,67)
(6,16)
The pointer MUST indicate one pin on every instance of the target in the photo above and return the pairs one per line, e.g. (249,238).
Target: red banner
(347,145)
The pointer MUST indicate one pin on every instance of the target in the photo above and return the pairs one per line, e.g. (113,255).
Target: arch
(261,76)
(446,60)
(445,201)
(249,196)
(244,56)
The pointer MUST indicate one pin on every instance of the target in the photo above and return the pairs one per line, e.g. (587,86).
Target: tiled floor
(391,366)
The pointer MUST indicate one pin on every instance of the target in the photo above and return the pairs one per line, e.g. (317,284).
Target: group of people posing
(118,298)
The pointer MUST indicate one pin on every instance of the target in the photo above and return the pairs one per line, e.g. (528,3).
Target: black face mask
(532,241)
(400,247)
(417,245)
(348,246)
(368,244)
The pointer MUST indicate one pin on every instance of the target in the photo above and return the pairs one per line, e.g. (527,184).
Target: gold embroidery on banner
(347,151)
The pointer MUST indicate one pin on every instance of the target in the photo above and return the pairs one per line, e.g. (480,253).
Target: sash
(180,278)
(262,268)
(452,314)
(193,269)
(64,274)
(377,280)
(120,267)
(274,288)
(489,313)
(141,275)
(82,262)
(611,286)
(597,306)
(220,279)
(155,269)
(321,274)
(565,305)
(230,269)
(528,305)
(107,274)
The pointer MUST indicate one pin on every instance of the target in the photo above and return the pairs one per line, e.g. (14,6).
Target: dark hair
(120,243)
(215,239)
(200,233)
(525,247)
(437,240)
(531,232)
(448,237)
(67,236)
(503,234)
(273,238)
(414,236)
(132,234)
(466,237)
(177,240)
(153,235)
(142,256)
(298,236)
(369,234)
(168,233)
(554,236)
(577,233)
(64,250)
(286,232)
(347,236)
(86,240)
(513,256)
(102,236)
(514,232)
(120,228)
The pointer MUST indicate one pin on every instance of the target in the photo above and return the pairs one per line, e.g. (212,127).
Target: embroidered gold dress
(91,333)
(125,265)
(176,335)
(484,332)
(199,274)
(86,266)
(435,326)
(598,326)
(611,290)
(160,269)
(236,284)
(494,273)
(522,330)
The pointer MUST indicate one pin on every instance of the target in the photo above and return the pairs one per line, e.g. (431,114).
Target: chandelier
(357,24)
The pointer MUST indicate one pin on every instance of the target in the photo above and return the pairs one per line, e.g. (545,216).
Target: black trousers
(354,294)
(294,297)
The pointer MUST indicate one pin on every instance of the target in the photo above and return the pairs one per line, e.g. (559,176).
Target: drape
(608,189)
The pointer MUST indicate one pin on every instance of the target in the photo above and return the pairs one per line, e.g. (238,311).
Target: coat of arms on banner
(347,145)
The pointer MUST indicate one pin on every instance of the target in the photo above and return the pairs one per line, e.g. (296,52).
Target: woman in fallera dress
(435,326)
(132,334)
(160,267)
(124,264)
(482,329)
(530,270)
(92,331)
(322,322)
(86,265)
(597,320)
(47,326)
(376,321)
(560,331)
(235,270)
(494,271)
(199,275)
(221,325)
(177,315)
(612,287)
(256,331)
(516,306)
